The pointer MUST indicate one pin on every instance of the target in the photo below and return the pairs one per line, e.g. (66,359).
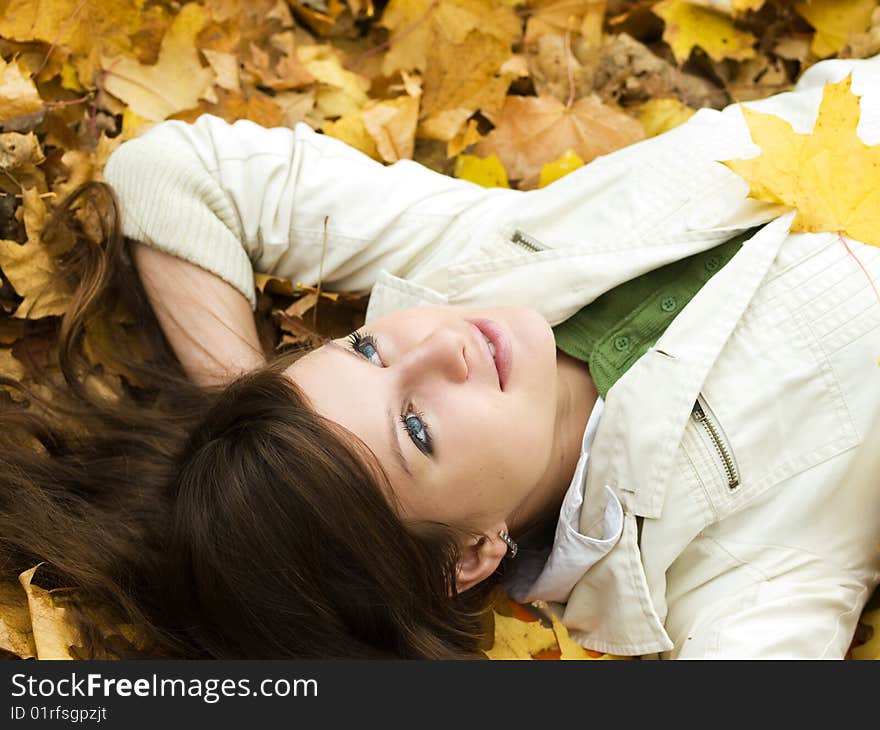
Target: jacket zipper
(526,241)
(703,415)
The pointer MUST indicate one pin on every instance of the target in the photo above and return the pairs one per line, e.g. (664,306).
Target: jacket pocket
(715,441)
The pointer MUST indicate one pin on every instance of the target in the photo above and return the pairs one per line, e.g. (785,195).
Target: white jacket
(780,346)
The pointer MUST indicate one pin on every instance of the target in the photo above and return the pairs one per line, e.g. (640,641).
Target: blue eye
(367,341)
(413,421)
(417,428)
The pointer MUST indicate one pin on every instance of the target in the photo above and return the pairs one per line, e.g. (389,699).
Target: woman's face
(420,388)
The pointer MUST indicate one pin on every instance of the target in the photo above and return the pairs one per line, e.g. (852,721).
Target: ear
(479,559)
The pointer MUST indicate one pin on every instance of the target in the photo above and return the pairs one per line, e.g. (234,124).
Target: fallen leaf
(866,44)
(532,131)
(418,26)
(834,20)
(485,171)
(18,150)
(688,26)
(392,125)
(232,105)
(29,267)
(464,77)
(341,91)
(830,176)
(18,95)
(583,17)
(87,29)
(553,171)
(16,636)
(225,66)
(53,635)
(175,82)
(516,639)
(660,115)
(11,366)
(467,135)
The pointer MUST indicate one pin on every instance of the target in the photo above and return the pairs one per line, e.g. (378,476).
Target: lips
(493,332)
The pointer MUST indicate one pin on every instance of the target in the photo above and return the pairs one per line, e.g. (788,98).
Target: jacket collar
(645,414)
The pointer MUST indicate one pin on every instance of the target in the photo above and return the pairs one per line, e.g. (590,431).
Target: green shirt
(617,328)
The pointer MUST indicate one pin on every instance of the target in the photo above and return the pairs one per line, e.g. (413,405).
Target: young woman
(637,373)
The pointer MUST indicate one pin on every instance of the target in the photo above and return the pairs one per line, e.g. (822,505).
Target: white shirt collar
(550,574)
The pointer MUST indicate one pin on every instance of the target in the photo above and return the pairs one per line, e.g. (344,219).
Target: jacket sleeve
(238,198)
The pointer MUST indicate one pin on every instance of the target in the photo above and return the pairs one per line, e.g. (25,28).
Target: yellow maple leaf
(661,115)
(834,20)
(515,639)
(87,29)
(560,167)
(485,171)
(175,82)
(690,25)
(830,176)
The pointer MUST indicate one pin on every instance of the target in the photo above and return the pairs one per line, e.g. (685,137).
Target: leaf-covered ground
(502,92)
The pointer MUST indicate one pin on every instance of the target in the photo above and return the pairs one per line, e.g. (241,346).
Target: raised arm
(207,322)
(238,198)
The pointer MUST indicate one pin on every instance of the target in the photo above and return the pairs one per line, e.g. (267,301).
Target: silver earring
(511,545)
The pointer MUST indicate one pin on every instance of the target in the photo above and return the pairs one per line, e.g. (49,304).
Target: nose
(441,354)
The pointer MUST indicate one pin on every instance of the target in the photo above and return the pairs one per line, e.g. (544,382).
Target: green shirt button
(713,263)
(668,304)
(621,343)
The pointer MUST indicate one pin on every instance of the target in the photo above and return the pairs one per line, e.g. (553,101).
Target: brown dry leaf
(175,82)
(10,330)
(53,635)
(16,636)
(418,26)
(392,125)
(87,29)
(225,66)
(630,73)
(758,78)
(581,17)
(531,131)
(18,150)
(464,77)
(560,66)
(18,95)
(29,268)
(11,366)
(231,106)
(278,68)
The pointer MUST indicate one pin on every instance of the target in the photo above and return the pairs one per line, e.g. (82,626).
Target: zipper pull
(698,413)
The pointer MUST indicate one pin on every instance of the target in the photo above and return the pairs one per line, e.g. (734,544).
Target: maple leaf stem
(69,102)
(568,63)
(57,38)
(861,265)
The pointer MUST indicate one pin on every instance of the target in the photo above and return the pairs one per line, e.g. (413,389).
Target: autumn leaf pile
(501,92)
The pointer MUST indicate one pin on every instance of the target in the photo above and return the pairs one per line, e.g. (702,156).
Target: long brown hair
(226,522)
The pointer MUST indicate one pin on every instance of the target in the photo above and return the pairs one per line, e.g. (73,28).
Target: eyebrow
(394,432)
